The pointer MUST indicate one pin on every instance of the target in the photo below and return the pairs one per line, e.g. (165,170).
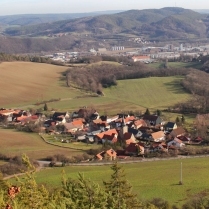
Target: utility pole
(181,180)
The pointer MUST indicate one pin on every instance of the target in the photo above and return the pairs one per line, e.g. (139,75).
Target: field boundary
(57,145)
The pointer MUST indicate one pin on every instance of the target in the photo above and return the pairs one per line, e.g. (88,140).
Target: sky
(10,7)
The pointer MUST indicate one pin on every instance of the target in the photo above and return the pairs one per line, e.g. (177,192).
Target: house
(112,119)
(49,123)
(184,139)
(74,126)
(135,132)
(159,147)
(108,155)
(110,136)
(138,123)
(60,117)
(177,132)
(99,124)
(124,120)
(177,143)
(135,149)
(129,138)
(152,120)
(141,58)
(158,136)
(170,126)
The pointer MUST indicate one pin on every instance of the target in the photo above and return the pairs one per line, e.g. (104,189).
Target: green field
(196,65)
(149,179)
(16,143)
(136,94)
(56,140)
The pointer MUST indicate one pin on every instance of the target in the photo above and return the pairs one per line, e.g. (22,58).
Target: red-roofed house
(108,155)
(129,138)
(110,136)
(158,136)
(139,123)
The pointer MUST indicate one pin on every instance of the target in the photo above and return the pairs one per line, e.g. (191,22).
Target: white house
(176,143)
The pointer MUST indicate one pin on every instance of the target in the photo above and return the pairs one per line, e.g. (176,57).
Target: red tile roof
(109,132)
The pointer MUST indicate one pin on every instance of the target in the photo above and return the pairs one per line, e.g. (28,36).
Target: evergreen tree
(31,195)
(119,191)
(83,194)
(45,107)
(159,112)
(147,112)
(182,119)
(177,120)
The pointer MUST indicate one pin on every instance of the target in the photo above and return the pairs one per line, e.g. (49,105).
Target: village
(136,136)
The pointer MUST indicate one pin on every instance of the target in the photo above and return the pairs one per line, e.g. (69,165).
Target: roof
(58,115)
(141,57)
(132,147)
(127,135)
(71,125)
(150,117)
(133,131)
(178,140)
(111,138)
(184,138)
(139,122)
(78,122)
(109,152)
(126,120)
(6,112)
(157,135)
(109,132)
(170,125)
(178,131)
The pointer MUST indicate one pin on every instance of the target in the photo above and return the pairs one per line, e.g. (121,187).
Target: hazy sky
(8,7)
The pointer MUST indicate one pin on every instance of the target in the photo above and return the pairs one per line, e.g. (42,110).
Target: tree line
(95,77)
(27,58)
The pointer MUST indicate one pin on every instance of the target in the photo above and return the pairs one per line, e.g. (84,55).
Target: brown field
(25,83)
(16,143)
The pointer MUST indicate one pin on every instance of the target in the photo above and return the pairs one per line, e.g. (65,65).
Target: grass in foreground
(149,179)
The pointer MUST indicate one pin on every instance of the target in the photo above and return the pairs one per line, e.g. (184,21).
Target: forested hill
(31,19)
(151,22)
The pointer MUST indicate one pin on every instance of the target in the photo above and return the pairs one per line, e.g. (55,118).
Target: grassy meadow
(149,179)
(135,94)
(16,143)
(196,65)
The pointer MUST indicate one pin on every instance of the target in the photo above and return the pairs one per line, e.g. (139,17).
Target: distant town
(147,53)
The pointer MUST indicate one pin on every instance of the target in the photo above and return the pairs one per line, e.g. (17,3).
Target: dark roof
(103,118)
(58,116)
(133,131)
(150,117)
(132,147)
(170,125)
